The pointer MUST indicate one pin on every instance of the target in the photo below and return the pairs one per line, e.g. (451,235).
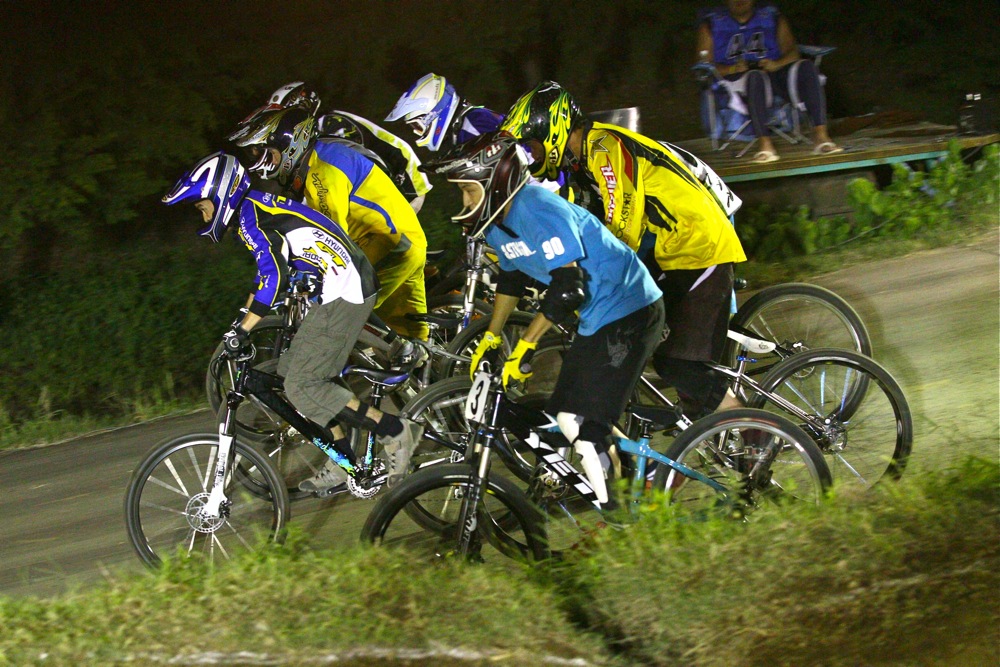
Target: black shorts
(599,371)
(698,318)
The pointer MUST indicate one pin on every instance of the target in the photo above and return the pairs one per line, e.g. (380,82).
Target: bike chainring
(368,482)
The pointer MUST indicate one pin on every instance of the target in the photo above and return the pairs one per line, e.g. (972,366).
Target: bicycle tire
(511,525)
(160,514)
(859,414)
(454,304)
(797,316)
(717,446)
(441,409)
(268,336)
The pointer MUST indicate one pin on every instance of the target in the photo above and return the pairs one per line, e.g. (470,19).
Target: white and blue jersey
(285,235)
(542,232)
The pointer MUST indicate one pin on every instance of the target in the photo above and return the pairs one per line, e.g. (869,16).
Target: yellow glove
(489,341)
(518,364)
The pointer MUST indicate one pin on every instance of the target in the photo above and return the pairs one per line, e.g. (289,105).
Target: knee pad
(357,418)
(597,433)
(569,424)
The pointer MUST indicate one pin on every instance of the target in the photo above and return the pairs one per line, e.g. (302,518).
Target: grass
(909,575)
(905,576)
(57,427)
(762,274)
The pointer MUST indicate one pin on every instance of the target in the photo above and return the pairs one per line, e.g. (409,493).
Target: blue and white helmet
(428,107)
(219,178)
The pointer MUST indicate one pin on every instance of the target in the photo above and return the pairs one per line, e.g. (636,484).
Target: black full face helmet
(547,114)
(496,164)
(289,131)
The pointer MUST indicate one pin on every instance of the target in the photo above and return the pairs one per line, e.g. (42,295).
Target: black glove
(236,340)
(239,320)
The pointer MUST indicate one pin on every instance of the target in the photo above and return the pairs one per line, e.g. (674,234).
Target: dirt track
(935,322)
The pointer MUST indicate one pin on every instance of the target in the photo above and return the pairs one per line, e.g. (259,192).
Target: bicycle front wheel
(168,491)
(506,523)
(799,317)
(757,457)
(851,406)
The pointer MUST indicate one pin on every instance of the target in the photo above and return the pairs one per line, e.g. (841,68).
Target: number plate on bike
(475,404)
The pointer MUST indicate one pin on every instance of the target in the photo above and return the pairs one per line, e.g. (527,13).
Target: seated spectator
(753,47)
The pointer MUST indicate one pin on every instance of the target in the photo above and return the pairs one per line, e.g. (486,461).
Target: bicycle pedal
(332,491)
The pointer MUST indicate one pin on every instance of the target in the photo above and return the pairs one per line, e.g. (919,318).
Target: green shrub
(135,325)
(951,194)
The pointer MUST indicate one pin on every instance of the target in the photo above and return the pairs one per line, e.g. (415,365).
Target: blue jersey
(543,231)
(750,41)
(283,234)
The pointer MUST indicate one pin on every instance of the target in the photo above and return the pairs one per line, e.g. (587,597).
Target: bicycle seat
(661,417)
(449,321)
(386,378)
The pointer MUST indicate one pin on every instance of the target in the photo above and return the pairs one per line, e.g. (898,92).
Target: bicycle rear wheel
(171,485)
(506,523)
(760,458)
(799,317)
(853,409)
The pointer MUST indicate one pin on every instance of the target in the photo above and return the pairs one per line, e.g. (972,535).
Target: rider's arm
(503,306)
(564,295)
(619,180)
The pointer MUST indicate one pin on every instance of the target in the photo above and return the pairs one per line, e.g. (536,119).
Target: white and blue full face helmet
(428,107)
(219,178)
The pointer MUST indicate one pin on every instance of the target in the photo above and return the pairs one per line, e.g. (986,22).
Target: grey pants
(318,354)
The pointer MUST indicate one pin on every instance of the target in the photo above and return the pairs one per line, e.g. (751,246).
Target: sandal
(763,157)
(827,148)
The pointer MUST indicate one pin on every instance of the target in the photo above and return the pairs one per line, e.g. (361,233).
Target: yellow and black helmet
(547,114)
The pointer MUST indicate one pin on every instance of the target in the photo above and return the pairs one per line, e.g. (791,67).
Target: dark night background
(104,103)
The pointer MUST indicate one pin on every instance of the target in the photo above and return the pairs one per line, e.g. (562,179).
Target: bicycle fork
(468,518)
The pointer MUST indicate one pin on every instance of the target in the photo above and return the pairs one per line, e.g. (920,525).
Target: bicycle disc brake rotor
(199,520)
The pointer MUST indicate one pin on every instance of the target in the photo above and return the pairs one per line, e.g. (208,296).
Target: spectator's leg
(809,90)
(759,99)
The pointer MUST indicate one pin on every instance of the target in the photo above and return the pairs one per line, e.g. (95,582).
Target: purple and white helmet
(219,178)
(428,107)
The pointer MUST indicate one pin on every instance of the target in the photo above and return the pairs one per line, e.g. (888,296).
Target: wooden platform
(867,141)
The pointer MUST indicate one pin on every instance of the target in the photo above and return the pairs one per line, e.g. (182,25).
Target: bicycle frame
(740,378)
(489,409)
(263,389)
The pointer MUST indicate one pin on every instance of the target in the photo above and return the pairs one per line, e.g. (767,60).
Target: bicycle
(459,509)
(216,494)
(849,404)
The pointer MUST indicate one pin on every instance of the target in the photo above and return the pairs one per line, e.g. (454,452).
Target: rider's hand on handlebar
(518,364)
(488,343)
(236,341)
